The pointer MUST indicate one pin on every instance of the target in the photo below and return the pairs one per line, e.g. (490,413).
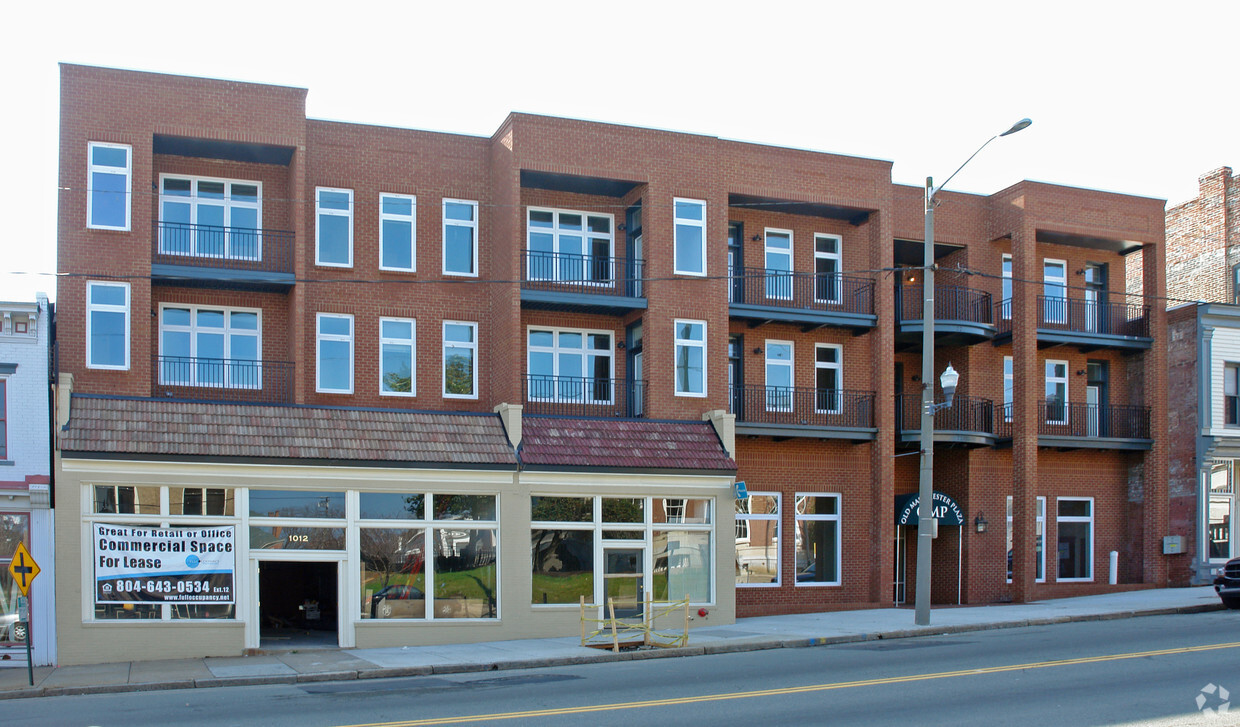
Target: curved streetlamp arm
(1022,124)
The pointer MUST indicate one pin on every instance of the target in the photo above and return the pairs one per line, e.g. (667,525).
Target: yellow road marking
(793,690)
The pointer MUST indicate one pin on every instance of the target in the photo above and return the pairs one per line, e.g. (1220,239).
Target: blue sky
(1133,97)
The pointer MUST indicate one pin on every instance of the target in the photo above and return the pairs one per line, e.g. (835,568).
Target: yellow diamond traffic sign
(23,568)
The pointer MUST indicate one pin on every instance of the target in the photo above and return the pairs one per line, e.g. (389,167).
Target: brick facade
(608,170)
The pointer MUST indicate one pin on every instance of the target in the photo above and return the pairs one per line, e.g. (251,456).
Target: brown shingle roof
(167,428)
(630,444)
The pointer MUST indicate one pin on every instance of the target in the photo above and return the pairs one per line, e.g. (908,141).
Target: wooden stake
(615,637)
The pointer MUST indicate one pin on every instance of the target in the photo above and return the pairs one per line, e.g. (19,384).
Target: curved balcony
(962,316)
(1078,425)
(759,295)
(969,421)
(579,396)
(220,379)
(791,411)
(1087,324)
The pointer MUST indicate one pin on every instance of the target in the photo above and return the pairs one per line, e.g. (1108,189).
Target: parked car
(1227,584)
(396,601)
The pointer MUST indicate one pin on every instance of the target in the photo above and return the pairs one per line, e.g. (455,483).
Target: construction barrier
(614,633)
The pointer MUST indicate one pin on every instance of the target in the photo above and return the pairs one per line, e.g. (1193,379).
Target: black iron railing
(220,379)
(589,274)
(803,406)
(784,289)
(966,414)
(951,303)
(232,248)
(583,396)
(1077,419)
(1083,316)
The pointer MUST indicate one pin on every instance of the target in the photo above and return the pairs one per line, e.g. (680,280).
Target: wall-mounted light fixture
(757,350)
(1081,271)
(1080,372)
(980,522)
(757,238)
(621,227)
(621,345)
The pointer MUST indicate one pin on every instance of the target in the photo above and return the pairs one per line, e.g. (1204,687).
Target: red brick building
(400,353)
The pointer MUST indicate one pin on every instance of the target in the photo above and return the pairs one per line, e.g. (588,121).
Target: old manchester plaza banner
(163,565)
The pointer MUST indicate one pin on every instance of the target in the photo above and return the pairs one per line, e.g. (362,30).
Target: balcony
(217,379)
(233,257)
(759,296)
(576,396)
(962,316)
(784,411)
(1087,324)
(968,422)
(581,283)
(1076,425)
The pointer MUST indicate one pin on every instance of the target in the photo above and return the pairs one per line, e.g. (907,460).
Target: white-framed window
(209,346)
(4,417)
(429,555)
(109,170)
(460,360)
(1039,552)
(1220,520)
(567,364)
(570,246)
(690,370)
(778,263)
(690,236)
(1054,291)
(818,557)
(397,363)
(757,540)
(107,325)
(1074,526)
(1005,293)
(828,378)
(828,287)
(779,393)
(209,217)
(1056,392)
(1231,394)
(1008,389)
(333,229)
(398,232)
(334,353)
(460,237)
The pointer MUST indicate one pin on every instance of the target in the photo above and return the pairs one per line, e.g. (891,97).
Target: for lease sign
(135,564)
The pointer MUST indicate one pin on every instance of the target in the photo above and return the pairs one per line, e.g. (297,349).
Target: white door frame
(344,626)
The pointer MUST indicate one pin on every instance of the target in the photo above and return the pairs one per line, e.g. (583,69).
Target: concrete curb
(732,647)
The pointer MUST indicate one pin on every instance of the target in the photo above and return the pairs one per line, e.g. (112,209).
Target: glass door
(736,262)
(1095,297)
(624,581)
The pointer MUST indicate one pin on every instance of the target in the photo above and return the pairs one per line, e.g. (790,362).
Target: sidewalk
(747,634)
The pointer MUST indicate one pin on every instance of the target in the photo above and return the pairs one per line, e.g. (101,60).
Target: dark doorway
(736,262)
(297,604)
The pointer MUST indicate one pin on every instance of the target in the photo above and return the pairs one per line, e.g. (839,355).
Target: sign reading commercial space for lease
(163,565)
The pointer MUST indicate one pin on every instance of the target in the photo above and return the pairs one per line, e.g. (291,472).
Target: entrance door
(1095,297)
(623,581)
(299,604)
(633,236)
(1095,398)
(736,377)
(736,262)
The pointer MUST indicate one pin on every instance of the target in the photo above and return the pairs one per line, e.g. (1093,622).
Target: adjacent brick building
(598,329)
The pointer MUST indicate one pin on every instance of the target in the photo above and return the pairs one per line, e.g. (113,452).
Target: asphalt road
(1142,670)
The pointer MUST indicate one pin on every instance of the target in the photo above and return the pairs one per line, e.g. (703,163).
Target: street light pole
(927,524)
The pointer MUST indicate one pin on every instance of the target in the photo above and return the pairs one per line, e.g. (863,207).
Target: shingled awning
(625,445)
(141,428)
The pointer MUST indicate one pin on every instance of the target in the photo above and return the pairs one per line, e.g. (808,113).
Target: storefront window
(201,501)
(623,510)
(282,537)
(757,539)
(681,511)
(464,507)
(562,509)
(393,574)
(14,529)
(392,506)
(291,503)
(126,500)
(682,565)
(465,574)
(1221,516)
(818,540)
(563,565)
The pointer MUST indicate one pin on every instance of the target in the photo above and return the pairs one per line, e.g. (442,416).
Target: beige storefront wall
(85,640)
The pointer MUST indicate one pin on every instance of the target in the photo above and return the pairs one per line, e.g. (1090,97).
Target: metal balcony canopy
(852,215)
(233,151)
(1123,247)
(597,186)
(910,252)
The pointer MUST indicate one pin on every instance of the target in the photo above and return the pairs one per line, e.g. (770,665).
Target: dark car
(398,601)
(1227,584)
